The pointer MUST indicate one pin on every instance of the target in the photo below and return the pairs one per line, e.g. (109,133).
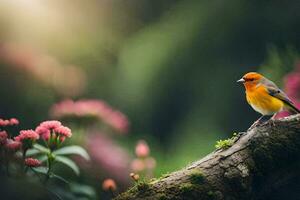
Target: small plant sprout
(135,177)
(225,144)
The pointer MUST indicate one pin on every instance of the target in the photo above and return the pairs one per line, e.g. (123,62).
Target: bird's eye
(251,79)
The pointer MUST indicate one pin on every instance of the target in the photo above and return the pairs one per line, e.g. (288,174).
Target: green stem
(49,162)
(24,154)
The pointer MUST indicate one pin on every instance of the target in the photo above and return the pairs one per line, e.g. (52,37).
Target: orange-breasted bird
(265,97)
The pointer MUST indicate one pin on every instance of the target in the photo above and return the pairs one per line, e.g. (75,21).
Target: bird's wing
(274,91)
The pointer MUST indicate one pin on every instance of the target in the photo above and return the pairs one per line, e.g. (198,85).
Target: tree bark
(264,163)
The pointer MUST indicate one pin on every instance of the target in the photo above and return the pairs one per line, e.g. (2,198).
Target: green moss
(225,144)
(166,175)
(196,177)
(210,193)
(162,197)
(142,185)
(154,180)
(187,187)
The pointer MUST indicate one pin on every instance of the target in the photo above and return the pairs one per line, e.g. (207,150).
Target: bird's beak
(242,80)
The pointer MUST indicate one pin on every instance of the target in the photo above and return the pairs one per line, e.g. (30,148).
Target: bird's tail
(293,109)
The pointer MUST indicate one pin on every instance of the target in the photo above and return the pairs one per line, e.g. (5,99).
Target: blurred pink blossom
(4,122)
(105,153)
(292,89)
(138,165)
(142,149)
(3,137)
(44,68)
(9,122)
(13,121)
(13,145)
(292,84)
(150,163)
(91,109)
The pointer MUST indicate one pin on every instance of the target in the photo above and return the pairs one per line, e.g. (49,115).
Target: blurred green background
(171,66)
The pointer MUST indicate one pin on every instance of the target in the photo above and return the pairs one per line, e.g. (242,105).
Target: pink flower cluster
(13,145)
(32,162)
(9,122)
(91,108)
(27,135)
(3,137)
(5,141)
(292,88)
(46,130)
(53,129)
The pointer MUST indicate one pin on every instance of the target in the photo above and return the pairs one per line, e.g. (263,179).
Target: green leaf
(42,158)
(41,148)
(77,150)
(68,162)
(84,190)
(52,175)
(32,152)
(41,170)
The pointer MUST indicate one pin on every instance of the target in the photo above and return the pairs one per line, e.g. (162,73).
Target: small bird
(265,97)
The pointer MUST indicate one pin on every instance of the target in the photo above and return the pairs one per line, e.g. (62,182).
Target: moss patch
(225,144)
(196,177)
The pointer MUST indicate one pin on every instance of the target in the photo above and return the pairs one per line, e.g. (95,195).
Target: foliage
(225,144)
(45,143)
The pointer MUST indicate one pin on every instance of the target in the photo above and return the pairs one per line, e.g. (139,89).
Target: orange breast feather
(262,102)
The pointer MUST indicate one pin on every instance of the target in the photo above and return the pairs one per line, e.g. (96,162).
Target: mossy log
(264,163)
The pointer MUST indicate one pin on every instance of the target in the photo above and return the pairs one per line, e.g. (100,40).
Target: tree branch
(263,164)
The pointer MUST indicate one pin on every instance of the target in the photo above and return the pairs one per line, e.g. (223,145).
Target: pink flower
(142,149)
(13,145)
(13,121)
(32,162)
(150,163)
(108,155)
(3,137)
(43,132)
(44,68)
(53,124)
(4,122)
(63,131)
(93,110)
(292,84)
(138,165)
(27,135)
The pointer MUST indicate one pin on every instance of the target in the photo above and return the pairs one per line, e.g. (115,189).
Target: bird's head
(251,79)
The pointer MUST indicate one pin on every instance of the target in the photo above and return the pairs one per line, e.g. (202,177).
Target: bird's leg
(272,119)
(256,122)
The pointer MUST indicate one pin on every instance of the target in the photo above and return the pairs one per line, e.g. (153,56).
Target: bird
(265,97)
